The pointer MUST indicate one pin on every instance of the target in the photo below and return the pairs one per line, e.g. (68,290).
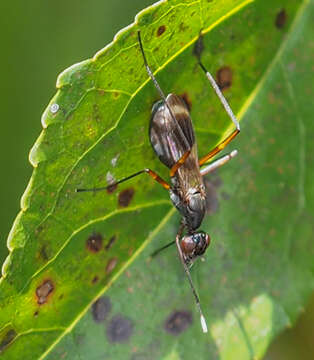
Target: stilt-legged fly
(171,135)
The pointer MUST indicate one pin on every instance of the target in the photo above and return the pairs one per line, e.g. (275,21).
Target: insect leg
(187,271)
(179,163)
(219,162)
(150,172)
(156,252)
(225,104)
(220,95)
(219,147)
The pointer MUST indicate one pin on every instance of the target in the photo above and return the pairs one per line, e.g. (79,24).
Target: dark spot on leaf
(79,339)
(125,197)
(183,27)
(161,30)
(198,47)
(141,356)
(110,242)
(36,313)
(187,100)
(94,243)
(178,322)
(6,339)
(116,94)
(43,291)
(95,279)
(101,309)
(281,19)
(39,229)
(224,77)
(111,188)
(212,201)
(43,253)
(61,296)
(119,329)
(111,265)
(225,195)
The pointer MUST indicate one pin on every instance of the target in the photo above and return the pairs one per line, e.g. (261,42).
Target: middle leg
(219,162)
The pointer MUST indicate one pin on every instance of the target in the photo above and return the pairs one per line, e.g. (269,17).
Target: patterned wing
(171,136)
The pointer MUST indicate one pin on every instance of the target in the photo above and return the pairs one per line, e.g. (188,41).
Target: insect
(172,137)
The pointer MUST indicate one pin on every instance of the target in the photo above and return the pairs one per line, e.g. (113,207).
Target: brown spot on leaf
(43,253)
(94,243)
(36,313)
(178,322)
(110,242)
(211,187)
(101,309)
(111,265)
(224,77)
(187,100)
(161,30)
(95,279)
(119,329)
(6,339)
(281,19)
(43,291)
(111,188)
(125,197)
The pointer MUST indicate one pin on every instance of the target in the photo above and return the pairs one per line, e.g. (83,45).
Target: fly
(172,137)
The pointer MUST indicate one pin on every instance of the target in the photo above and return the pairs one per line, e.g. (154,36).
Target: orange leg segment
(219,147)
(179,163)
(157,178)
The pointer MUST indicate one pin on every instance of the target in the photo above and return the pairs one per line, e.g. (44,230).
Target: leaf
(257,279)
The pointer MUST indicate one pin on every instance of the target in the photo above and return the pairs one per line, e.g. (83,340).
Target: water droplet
(54,108)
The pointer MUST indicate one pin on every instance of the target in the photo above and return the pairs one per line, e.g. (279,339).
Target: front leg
(187,271)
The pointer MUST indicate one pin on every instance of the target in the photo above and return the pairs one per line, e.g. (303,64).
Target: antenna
(161,93)
(149,72)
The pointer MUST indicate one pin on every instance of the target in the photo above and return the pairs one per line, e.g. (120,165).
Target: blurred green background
(39,40)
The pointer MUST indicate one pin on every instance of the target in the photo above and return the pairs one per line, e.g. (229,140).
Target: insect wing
(171,134)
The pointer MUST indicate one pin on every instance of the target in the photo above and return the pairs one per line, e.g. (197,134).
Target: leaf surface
(67,248)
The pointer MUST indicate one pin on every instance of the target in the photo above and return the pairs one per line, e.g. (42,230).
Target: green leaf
(67,248)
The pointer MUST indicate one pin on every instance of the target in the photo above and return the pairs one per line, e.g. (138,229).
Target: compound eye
(188,244)
(202,243)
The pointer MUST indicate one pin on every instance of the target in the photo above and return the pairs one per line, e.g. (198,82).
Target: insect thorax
(190,205)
